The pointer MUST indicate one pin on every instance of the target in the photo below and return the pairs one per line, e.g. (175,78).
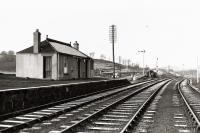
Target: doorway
(79,68)
(47,65)
(86,68)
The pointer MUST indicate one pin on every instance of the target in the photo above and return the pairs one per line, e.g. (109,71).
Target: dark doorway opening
(47,67)
(86,68)
(79,68)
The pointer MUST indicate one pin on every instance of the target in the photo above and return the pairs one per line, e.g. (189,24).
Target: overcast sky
(167,29)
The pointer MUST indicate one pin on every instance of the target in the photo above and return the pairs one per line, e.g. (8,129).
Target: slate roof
(51,45)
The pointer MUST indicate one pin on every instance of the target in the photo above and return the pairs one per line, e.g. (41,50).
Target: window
(65,65)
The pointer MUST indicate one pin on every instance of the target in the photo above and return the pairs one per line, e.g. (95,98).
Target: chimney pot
(76,45)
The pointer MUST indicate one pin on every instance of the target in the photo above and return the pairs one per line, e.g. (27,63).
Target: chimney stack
(76,45)
(36,41)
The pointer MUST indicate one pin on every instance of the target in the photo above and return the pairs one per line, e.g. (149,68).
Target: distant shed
(52,59)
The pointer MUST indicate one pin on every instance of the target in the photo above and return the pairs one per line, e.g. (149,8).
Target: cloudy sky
(167,29)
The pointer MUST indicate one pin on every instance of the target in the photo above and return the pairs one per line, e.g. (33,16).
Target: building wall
(54,65)
(61,67)
(72,67)
(90,68)
(82,68)
(31,65)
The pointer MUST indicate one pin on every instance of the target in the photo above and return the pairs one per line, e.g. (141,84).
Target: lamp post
(113,37)
(143,52)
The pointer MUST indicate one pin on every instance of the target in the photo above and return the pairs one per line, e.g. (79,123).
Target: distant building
(52,59)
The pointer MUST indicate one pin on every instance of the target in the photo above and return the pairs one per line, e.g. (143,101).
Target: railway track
(72,121)
(128,110)
(153,118)
(119,115)
(191,97)
(28,119)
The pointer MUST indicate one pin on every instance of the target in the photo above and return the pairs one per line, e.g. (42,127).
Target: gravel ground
(166,114)
(171,115)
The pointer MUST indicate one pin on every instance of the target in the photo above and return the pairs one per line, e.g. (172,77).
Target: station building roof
(51,45)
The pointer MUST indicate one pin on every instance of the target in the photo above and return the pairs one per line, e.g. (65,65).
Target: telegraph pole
(143,51)
(157,65)
(113,37)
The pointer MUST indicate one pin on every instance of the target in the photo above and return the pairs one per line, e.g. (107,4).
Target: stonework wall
(13,100)
(72,67)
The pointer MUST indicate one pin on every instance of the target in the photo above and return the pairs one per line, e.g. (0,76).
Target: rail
(101,111)
(193,115)
(130,124)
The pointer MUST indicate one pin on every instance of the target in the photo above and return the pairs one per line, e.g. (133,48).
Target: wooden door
(79,68)
(47,67)
(86,68)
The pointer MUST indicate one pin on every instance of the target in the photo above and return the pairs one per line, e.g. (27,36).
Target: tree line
(7,56)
